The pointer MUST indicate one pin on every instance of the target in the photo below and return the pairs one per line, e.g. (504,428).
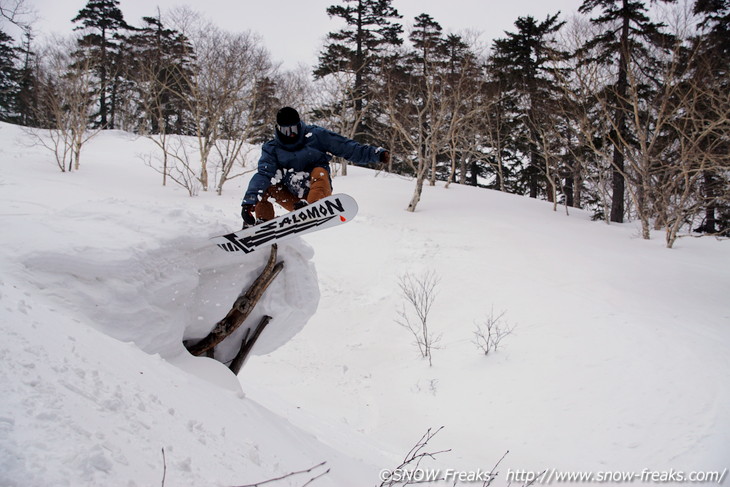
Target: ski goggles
(288,130)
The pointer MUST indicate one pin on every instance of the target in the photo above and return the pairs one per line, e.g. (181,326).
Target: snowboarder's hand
(300,204)
(385,156)
(247,215)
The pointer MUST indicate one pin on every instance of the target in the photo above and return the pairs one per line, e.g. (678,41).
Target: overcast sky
(294,30)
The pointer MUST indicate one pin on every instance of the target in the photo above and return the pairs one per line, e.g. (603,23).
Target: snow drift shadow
(178,291)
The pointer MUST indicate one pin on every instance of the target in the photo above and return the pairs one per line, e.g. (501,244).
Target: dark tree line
(629,118)
(614,111)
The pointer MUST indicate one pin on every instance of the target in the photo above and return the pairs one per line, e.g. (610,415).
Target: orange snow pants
(319,187)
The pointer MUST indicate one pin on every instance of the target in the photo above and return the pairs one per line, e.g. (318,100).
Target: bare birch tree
(340,107)
(584,104)
(217,85)
(409,107)
(65,103)
(466,95)
(429,112)
(494,133)
(676,133)
(701,123)
(222,94)
(159,67)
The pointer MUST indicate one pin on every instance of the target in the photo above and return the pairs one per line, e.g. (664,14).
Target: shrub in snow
(419,294)
(491,332)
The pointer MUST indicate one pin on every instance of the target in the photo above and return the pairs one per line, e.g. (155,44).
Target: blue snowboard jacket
(290,164)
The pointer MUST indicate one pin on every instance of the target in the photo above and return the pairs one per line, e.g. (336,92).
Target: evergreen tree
(459,56)
(626,32)
(359,48)
(266,104)
(464,74)
(428,43)
(423,67)
(711,73)
(27,99)
(103,23)
(160,62)
(9,77)
(521,65)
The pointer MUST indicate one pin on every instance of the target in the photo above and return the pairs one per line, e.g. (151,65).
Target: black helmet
(288,125)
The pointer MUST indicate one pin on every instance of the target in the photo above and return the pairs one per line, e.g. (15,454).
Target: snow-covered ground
(618,361)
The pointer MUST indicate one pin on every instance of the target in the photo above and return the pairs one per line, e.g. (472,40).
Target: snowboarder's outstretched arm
(349,149)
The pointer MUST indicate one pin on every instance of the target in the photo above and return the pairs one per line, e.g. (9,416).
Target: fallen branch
(247,345)
(241,309)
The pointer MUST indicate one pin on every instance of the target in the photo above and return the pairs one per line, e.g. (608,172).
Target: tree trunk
(618,187)
(103,81)
(709,189)
(417,192)
(618,183)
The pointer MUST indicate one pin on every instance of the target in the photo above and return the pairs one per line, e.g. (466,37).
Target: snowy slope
(103,275)
(617,362)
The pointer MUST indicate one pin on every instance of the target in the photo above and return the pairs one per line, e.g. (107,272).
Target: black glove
(247,215)
(300,204)
(385,156)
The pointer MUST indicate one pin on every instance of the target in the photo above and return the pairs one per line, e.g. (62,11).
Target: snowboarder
(294,167)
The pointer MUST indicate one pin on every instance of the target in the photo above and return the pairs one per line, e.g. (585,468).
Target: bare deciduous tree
(343,109)
(221,94)
(495,128)
(491,332)
(177,161)
(701,122)
(419,294)
(17,12)
(222,89)
(467,98)
(409,471)
(433,103)
(65,103)
(419,116)
(591,153)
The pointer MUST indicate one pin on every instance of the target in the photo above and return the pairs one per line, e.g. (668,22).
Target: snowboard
(328,212)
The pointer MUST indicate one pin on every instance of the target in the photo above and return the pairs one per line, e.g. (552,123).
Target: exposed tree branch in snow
(241,309)
(247,345)
(412,460)
(292,474)
(164,467)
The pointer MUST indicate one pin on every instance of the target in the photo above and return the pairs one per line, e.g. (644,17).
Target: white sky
(294,30)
